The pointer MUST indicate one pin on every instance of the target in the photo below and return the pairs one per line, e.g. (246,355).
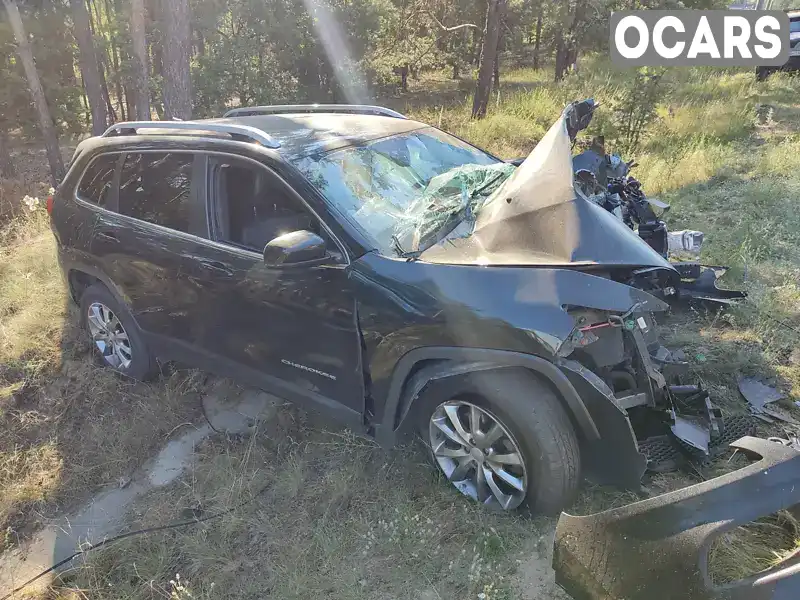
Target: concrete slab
(236,411)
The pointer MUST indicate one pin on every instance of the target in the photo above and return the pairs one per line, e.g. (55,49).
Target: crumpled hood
(537,217)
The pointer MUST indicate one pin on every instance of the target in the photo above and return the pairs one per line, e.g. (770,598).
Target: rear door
(296,327)
(154,220)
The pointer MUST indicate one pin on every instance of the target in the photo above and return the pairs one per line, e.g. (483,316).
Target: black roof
(304,134)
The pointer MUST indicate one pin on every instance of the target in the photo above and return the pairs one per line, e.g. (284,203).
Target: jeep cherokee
(387,274)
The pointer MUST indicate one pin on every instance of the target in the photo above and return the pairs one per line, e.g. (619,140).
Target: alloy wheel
(478,454)
(109,336)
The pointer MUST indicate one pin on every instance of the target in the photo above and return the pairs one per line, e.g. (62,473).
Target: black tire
(143,365)
(530,410)
(762,73)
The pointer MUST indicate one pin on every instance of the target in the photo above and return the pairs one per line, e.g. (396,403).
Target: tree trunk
(115,73)
(201,43)
(155,27)
(567,44)
(561,57)
(177,50)
(88,62)
(6,164)
(538,38)
(118,82)
(496,63)
(483,89)
(130,103)
(37,93)
(106,93)
(101,64)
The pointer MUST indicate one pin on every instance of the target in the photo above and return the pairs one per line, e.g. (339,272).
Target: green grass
(341,518)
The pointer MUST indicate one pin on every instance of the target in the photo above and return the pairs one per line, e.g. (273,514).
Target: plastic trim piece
(657,549)
(399,399)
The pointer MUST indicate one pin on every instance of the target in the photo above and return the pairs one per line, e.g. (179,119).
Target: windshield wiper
(398,249)
(489,183)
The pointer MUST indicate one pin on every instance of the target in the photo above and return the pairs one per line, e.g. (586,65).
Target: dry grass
(755,547)
(340,518)
(67,427)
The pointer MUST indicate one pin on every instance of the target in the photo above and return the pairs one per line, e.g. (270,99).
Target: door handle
(217,267)
(107,236)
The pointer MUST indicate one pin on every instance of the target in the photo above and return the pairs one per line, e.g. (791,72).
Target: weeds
(635,109)
(341,518)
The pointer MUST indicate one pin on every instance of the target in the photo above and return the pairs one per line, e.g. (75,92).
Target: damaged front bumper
(623,374)
(658,548)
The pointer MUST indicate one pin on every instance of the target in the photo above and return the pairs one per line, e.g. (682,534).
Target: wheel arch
(422,366)
(80,278)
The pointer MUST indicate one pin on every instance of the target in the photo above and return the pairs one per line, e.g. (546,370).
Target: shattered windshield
(407,191)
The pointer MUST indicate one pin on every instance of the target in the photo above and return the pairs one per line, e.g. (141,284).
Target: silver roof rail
(352,109)
(237,132)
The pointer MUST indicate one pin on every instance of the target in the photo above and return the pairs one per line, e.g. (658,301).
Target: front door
(293,328)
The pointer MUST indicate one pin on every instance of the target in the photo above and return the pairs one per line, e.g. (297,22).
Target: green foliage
(247,52)
(635,107)
(54,51)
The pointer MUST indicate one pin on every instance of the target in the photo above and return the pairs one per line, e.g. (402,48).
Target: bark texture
(90,74)
(177,49)
(491,35)
(37,92)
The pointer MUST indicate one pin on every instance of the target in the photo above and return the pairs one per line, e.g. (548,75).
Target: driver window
(252,206)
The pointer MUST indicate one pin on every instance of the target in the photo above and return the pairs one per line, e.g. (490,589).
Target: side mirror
(294,248)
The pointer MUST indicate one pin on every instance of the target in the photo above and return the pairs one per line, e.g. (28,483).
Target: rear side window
(156,187)
(98,181)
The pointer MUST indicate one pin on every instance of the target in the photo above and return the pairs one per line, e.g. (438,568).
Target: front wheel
(507,442)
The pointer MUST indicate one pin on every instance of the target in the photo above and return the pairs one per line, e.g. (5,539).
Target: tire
(529,410)
(142,364)
(762,73)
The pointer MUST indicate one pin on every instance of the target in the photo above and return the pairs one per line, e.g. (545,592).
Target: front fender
(609,445)
(442,363)
(404,306)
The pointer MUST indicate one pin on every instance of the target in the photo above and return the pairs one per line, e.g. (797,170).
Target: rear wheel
(115,337)
(506,442)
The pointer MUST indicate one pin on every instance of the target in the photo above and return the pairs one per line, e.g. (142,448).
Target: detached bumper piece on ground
(658,548)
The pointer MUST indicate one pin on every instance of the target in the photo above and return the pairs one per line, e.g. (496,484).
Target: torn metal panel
(758,394)
(761,398)
(657,549)
(536,217)
(700,282)
(632,400)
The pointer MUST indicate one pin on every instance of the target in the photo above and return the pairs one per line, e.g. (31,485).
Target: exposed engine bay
(605,179)
(673,421)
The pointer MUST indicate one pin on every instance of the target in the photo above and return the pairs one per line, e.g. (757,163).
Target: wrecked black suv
(390,275)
